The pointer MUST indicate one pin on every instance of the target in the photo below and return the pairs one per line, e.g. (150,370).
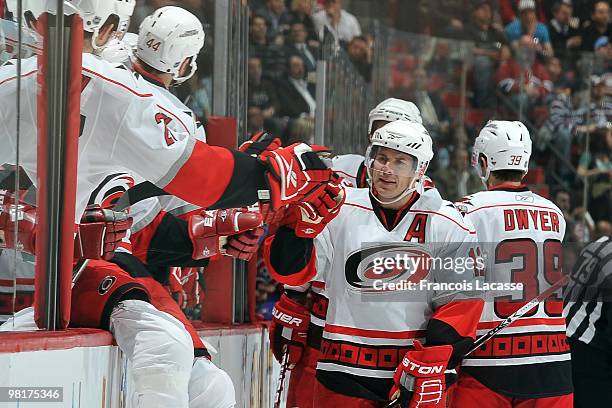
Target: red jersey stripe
(378,334)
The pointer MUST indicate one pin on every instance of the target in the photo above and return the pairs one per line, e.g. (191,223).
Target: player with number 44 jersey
(528,363)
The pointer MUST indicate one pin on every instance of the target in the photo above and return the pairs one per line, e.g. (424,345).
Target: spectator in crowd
(297,46)
(574,218)
(261,93)
(448,17)
(459,179)
(596,165)
(272,55)
(598,26)
(559,127)
(598,112)
(300,130)
(488,41)
(295,95)
(583,10)
(563,201)
(301,11)
(343,25)
(602,228)
(526,31)
(360,55)
(277,17)
(564,35)
(509,9)
(603,54)
(557,78)
(527,87)
(255,120)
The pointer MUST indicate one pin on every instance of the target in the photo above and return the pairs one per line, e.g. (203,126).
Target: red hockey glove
(209,229)
(294,172)
(100,233)
(23,218)
(271,216)
(259,143)
(315,214)
(244,245)
(289,329)
(419,379)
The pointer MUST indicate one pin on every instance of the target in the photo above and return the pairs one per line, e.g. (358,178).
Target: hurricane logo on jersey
(111,189)
(367,269)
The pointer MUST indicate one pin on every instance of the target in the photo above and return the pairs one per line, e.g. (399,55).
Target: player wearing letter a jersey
(528,363)
(369,349)
(303,341)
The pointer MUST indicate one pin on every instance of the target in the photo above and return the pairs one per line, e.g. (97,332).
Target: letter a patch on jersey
(417,229)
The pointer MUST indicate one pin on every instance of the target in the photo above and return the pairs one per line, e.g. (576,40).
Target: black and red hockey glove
(419,379)
(312,215)
(244,245)
(289,329)
(209,231)
(259,143)
(100,232)
(294,172)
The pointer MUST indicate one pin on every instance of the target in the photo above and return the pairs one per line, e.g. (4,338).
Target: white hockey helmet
(505,145)
(96,12)
(407,137)
(93,12)
(167,38)
(392,109)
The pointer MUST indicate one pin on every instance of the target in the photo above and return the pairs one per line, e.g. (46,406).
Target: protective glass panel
(19,47)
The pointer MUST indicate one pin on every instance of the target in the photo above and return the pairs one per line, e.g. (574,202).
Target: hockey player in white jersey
(369,349)
(302,343)
(528,364)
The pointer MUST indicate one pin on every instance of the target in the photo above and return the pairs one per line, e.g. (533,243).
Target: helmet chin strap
(177,79)
(483,178)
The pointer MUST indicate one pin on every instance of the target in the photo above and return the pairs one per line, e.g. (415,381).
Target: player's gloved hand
(244,245)
(419,379)
(259,143)
(289,329)
(271,216)
(100,232)
(314,214)
(294,172)
(21,217)
(209,230)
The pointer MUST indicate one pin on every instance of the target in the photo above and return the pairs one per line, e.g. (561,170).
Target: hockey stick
(281,379)
(508,321)
(519,313)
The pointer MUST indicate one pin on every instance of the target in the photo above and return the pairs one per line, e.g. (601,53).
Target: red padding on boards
(221,131)
(17,342)
(70,152)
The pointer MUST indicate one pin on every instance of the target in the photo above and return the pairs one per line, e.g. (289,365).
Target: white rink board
(244,353)
(90,376)
(95,377)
